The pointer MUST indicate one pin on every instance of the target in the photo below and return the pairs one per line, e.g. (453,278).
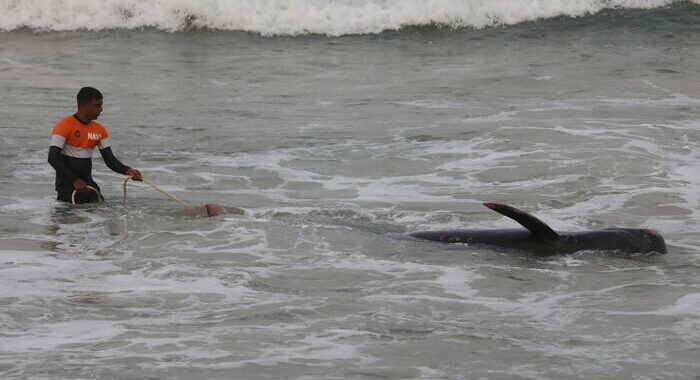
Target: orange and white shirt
(77,139)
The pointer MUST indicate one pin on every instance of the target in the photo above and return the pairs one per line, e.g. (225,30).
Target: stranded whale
(540,238)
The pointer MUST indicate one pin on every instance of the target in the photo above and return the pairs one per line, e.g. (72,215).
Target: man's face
(92,108)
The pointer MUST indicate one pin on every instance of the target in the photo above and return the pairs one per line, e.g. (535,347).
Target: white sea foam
(293,17)
(50,336)
(39,271)
(688,304)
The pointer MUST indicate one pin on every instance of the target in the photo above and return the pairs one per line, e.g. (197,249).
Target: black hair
(88,93)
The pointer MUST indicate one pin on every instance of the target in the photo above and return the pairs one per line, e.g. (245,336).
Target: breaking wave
(294,17)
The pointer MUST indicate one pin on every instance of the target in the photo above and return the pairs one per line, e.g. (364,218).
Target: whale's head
(654,241)
(636,240)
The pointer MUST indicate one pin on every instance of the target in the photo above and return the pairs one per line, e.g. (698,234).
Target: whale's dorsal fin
(537,227)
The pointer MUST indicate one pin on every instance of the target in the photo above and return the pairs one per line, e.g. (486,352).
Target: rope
(124,186)
(72,196)
(185,205)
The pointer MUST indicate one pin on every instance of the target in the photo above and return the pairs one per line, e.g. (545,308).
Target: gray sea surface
(337,149)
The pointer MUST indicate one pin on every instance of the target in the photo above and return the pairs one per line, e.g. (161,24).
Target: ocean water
(340,127)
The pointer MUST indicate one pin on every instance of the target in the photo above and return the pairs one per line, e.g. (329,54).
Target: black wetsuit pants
(69,169)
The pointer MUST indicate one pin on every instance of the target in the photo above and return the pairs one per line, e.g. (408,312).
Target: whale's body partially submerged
(540,238)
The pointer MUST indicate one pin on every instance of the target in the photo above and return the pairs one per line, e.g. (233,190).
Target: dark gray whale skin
(541,239)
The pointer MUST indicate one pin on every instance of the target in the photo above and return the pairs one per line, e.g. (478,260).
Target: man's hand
(79,185)
(134,174)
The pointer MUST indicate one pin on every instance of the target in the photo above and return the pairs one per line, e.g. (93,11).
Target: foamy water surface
(337,149)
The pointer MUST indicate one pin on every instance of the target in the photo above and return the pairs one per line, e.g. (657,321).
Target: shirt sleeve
(112,162)
(58,140)
(59,134)
(104,141)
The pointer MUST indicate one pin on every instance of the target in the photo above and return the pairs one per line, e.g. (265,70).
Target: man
(73,140)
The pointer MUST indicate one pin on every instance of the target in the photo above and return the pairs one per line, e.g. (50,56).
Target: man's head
(89,103)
